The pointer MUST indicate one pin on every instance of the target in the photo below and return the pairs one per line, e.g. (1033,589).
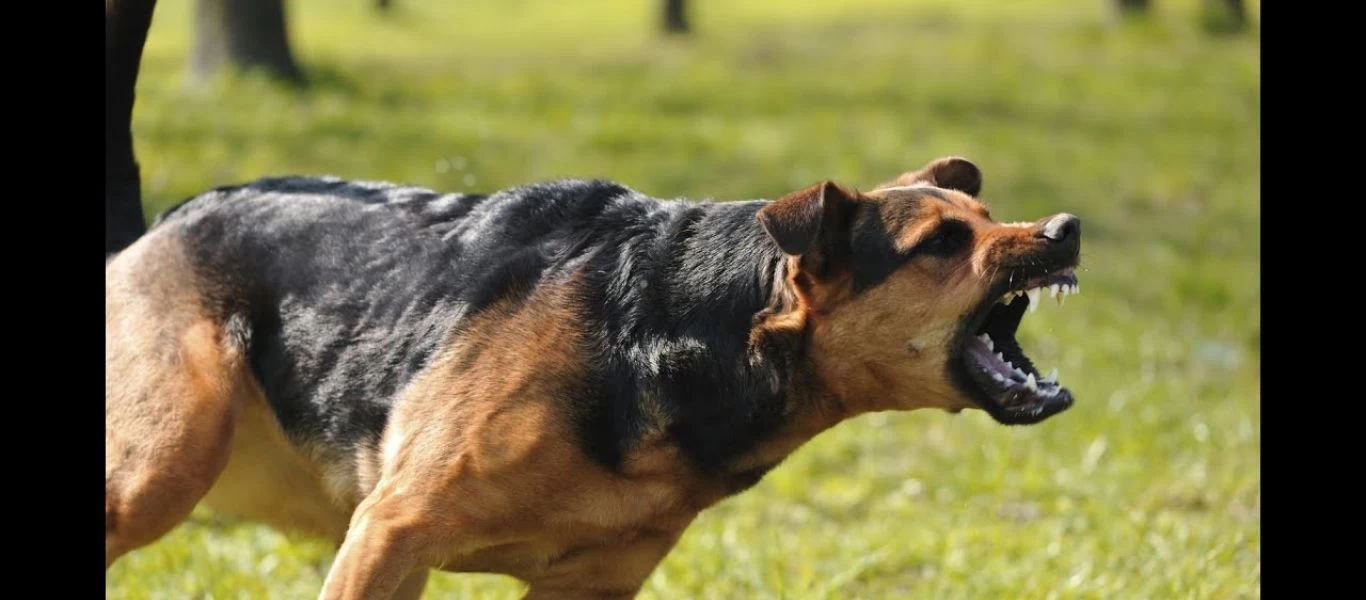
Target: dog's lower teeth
(1052,376)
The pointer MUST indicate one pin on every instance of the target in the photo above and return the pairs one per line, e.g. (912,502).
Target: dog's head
(911,294)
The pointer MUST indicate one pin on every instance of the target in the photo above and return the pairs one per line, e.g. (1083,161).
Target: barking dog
(550,381)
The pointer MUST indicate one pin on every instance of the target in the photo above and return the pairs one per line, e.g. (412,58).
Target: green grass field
(1150,487)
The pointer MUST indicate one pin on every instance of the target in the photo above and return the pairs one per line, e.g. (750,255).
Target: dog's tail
(125,33)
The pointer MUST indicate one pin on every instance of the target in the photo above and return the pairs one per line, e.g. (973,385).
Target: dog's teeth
(1030,383)
(986,339)
(1060,297)
(1052,376)
(1001,358)
(1076,288)
(1033,299)
(1008,364)
(1054,290)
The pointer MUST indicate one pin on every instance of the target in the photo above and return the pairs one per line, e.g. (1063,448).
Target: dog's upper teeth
(1076,288)
(1033,299)
(1052,376)
(1030,383)
(999,356)
(986,339)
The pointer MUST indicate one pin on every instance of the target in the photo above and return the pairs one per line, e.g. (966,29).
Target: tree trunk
(1237,10)
(125,33)
(1133,6)
(675,16)
(245,34)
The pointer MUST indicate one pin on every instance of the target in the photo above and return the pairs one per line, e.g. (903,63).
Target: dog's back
(338,292)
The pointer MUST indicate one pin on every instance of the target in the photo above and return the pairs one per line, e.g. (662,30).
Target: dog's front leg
(379,556)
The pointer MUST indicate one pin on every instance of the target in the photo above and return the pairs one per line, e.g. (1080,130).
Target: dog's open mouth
(1006,382)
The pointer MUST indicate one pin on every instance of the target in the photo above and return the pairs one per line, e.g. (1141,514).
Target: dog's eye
(951,237)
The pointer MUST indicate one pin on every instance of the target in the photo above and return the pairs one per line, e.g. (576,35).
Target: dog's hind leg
(174,379)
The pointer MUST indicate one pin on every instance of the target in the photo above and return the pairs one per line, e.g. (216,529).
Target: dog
(550,381)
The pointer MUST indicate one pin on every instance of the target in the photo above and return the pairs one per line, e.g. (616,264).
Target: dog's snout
(1061,228)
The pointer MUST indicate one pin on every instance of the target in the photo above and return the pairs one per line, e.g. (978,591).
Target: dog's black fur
(342,291)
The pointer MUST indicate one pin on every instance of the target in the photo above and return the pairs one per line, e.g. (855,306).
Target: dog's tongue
(978,352)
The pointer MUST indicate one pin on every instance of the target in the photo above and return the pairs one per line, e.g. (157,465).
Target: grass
(1149,487)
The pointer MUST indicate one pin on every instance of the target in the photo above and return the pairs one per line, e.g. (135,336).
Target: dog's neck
(766,385)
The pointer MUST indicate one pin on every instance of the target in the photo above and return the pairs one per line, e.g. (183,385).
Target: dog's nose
(1061,228)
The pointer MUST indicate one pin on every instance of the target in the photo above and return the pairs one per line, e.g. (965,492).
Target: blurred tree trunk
(125,33)
(675,16)
(246,34)
(1237,10)
(383,5)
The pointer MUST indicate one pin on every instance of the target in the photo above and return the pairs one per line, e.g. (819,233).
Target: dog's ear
(802,219)
(812,226)
(950,172)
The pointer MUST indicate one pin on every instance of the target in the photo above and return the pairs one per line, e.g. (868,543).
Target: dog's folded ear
(798,220)
(950,173)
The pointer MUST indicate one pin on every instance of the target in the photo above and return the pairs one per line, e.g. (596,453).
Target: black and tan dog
(548,382)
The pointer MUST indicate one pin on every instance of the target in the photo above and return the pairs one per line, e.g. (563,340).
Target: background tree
(125,33)
(245,34)
(1234,10)
(675,17)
